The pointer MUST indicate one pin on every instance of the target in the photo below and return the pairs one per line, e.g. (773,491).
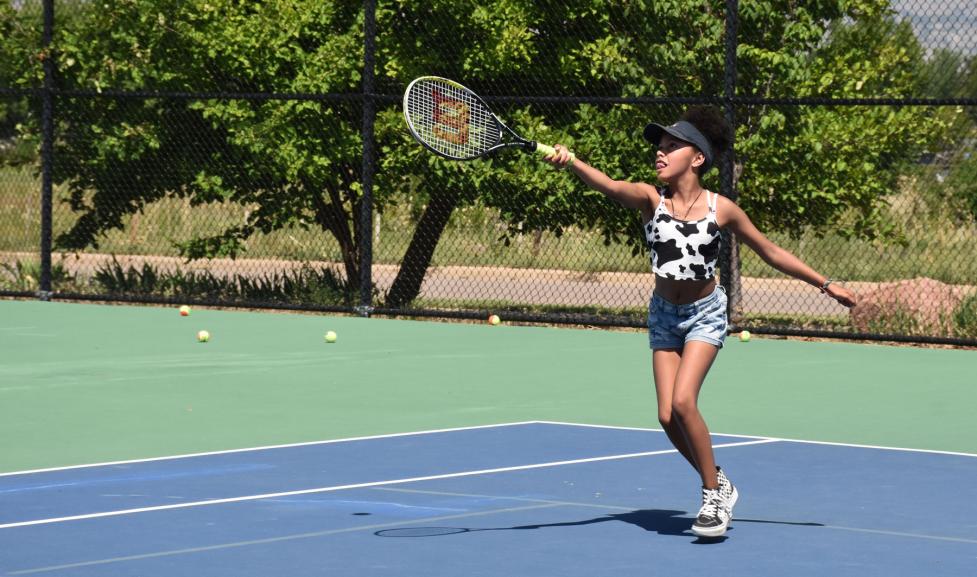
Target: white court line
(639,429)
(782,439)
(312,535)
(902,534)
(264,448)
(330,441)
(536,504)
(455,429)
(619,508)
(357,486)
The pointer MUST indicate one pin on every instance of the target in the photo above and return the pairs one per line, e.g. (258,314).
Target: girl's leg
(665,364)
(696,359)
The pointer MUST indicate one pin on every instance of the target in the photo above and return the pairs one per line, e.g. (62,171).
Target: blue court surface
(524,499)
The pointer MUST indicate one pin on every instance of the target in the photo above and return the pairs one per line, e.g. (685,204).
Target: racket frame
(500,127)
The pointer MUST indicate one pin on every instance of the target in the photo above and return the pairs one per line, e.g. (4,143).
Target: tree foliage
(953,182)
(298,162)
(19,31)
(292,162)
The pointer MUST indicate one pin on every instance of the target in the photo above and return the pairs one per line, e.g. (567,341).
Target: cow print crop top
(683,250)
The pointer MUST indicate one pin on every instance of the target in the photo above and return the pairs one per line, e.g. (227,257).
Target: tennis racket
(454,122)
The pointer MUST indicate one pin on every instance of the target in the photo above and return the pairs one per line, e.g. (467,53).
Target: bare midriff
(683,292)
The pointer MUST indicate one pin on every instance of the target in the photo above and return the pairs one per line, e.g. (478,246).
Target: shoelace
(711,502)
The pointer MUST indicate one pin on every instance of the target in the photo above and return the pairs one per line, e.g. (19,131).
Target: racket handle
(547,150)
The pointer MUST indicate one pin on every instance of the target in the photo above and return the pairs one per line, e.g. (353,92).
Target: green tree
(294,162)
(800,167)
(942,75)
(20,43)
(963,180)
(969,84)
(820,166)
(950,178)
(298,162)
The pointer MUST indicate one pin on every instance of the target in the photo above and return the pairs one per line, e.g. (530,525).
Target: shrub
(965,318)
(26,277)
(306,285)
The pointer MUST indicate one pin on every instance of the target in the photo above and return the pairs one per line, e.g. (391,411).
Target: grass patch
(470,239)
(795,321)
(965,318)
(929,247)
(934,251)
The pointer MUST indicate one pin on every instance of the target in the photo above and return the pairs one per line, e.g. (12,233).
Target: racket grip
(547,150)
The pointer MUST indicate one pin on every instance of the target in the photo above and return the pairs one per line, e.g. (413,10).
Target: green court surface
(83,383)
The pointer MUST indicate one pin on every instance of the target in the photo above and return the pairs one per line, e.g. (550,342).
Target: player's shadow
(661,521)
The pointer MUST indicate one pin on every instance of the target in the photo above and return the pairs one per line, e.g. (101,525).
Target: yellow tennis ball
(184,311)
(203,336)
(331,337)
(494,320)
(745,336)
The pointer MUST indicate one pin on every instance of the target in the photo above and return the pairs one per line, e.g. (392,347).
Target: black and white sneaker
(727,491)
(713,517)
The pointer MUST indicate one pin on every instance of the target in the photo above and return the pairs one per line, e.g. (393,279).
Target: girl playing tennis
(687,313)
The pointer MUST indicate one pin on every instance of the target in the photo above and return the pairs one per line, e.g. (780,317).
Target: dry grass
(934,249)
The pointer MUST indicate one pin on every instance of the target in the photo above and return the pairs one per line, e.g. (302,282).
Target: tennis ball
(494,319)
(203,336)
(331,337)
(184,311)
(745,336)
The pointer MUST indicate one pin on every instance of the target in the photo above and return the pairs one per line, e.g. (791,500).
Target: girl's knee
(684,408)
(665,418)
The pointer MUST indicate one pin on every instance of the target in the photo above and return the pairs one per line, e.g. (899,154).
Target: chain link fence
(256,155)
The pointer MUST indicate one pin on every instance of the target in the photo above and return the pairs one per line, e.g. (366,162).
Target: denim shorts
(670,326)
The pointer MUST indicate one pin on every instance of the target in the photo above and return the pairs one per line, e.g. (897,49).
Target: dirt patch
(516,285)
(916,306)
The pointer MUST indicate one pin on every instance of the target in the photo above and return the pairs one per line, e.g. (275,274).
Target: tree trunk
(407,286)
(332,217)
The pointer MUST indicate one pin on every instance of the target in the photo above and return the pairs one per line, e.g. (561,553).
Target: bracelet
(824,287)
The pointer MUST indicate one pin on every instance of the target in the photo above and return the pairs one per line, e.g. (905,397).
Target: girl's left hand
(841,294)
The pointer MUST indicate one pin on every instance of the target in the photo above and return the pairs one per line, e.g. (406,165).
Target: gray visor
(685,131)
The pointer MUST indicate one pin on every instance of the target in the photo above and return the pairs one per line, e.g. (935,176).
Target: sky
(950,24)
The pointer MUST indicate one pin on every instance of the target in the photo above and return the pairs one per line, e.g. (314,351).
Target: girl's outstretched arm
(779,258)
(637,195)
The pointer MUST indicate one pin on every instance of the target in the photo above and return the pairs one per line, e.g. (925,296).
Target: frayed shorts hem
(679,345)
(670,326)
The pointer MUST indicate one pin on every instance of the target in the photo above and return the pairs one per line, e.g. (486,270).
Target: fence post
(47,150)
(729,275)
(369,115)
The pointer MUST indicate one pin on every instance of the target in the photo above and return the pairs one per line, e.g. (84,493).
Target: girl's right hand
(561,159)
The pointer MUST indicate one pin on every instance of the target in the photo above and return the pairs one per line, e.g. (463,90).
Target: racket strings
(450,119)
